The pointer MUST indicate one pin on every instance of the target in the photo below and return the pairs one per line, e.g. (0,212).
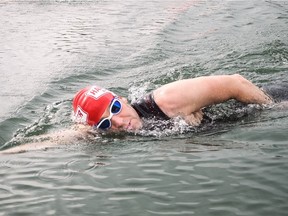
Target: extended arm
(64,137)
(191,95)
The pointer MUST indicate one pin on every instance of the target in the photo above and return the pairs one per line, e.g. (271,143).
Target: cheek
(126,111)
(136,124)
(133,112)
(129,113)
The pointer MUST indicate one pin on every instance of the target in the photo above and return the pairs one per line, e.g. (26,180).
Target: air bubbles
(160,128)
(137,91)
(55,115)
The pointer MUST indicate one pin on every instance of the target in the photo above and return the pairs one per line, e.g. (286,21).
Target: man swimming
(97,108)
(104,110)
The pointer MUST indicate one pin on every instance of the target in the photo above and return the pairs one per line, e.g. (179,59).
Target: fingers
(195,118)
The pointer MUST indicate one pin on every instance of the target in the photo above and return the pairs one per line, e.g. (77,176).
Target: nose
(117,122)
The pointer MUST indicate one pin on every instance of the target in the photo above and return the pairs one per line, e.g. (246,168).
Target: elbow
(239,78)
(239,83)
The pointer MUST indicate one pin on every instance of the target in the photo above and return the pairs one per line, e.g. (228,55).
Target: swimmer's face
(126,120)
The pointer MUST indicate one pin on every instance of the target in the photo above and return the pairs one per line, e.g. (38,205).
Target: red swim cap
(90,103)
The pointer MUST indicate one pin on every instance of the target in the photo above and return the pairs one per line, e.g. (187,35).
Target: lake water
(51,49)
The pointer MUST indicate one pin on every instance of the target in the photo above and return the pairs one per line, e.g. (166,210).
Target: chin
(135,125)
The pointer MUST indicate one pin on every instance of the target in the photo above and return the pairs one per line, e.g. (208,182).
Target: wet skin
(186,98)
(126,120)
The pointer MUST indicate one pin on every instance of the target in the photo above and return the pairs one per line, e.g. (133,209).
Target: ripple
(16,163)
(5,192)
(87,167)
(200,191)
(172,212)
(54,174)
(234,172)
(83,166)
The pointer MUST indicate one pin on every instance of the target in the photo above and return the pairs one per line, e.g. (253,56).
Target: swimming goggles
(115,108)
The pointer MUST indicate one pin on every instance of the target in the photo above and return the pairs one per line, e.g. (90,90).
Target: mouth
(129,126)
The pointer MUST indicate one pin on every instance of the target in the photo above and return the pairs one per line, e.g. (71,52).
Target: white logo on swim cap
(97,92)
(80,116)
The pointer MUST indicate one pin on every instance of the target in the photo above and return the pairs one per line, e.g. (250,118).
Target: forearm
(64,137)
(246,92)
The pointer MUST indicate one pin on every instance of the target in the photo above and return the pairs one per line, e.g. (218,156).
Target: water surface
(50,49)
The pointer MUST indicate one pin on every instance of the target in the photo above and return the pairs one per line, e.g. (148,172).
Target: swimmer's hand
(195,118)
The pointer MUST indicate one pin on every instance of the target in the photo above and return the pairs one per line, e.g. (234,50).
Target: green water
(50,49)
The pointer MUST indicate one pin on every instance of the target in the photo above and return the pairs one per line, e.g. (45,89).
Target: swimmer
(104,110)
(97,108)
